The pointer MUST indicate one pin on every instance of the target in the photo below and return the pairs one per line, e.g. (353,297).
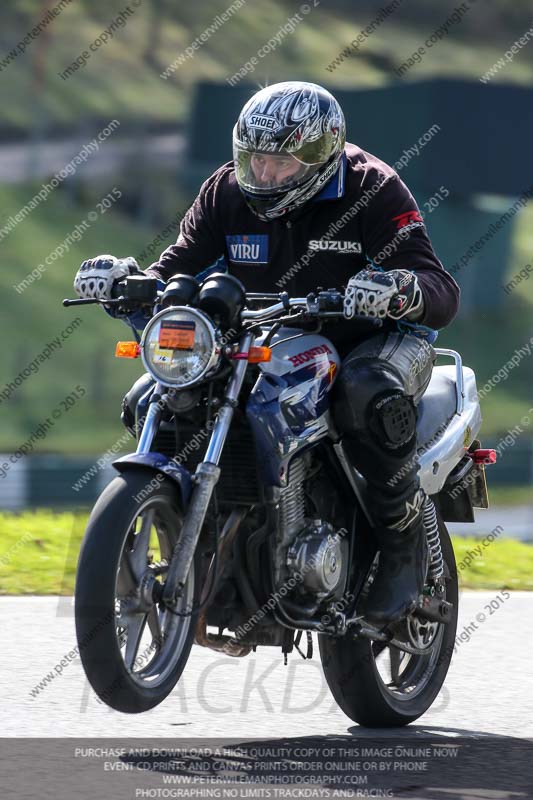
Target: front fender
(158,463)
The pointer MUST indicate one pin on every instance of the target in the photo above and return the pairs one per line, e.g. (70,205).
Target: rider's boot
(401,573)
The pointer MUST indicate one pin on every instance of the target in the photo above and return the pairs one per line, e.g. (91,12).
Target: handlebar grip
(117,290)
(396,303)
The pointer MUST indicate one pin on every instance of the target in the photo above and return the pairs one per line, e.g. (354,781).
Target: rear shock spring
(436,560)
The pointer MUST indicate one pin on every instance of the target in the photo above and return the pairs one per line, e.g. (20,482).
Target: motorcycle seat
(436,407)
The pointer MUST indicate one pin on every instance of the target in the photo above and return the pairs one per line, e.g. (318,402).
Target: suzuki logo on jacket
(335,245)
(248,249)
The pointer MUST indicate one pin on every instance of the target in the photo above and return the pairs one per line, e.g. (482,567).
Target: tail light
(482,456)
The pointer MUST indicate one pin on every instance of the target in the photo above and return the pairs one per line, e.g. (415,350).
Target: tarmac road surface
(485,712)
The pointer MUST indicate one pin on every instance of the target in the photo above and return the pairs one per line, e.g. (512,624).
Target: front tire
(354,668)
(133,651)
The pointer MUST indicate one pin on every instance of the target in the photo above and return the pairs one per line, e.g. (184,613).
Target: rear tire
(357,684)
(110,609)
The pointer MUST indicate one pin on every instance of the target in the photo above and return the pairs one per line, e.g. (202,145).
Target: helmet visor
(271,173)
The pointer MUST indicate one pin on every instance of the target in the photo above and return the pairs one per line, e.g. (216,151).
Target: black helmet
(295,130)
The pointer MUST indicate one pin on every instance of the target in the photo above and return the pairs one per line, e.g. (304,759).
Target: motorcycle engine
(318,556)
(310,551)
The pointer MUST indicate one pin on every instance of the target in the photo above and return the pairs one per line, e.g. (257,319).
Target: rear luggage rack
(459,381)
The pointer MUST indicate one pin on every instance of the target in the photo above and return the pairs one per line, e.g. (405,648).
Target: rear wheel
(378,685)
(133,650)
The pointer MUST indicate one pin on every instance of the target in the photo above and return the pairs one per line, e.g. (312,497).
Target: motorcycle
(239,510)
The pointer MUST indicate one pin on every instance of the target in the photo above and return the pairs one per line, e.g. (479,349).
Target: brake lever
(80,302)
(88,301)
(372,322)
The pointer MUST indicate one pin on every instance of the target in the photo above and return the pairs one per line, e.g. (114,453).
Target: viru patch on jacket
(248,248)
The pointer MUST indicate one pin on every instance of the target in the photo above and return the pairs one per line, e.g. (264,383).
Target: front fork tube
(205,480)
(152,420)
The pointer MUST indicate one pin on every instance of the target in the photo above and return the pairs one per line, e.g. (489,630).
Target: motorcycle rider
(298,208)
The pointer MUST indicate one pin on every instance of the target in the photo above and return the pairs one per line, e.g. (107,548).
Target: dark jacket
(363,213)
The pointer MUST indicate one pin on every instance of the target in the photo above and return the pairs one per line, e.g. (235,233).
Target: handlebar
(272,310)
(324,304)
(119,295)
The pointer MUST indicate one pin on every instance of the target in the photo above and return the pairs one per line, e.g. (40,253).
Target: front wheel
(378,685)
(133,650)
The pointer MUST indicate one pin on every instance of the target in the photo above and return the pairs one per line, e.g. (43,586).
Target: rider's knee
(393,421)
(370,398)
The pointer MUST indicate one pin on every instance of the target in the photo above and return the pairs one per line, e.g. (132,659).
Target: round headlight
(178,346)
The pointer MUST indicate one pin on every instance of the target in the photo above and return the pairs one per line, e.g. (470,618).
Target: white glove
(96,276)
(370,293)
